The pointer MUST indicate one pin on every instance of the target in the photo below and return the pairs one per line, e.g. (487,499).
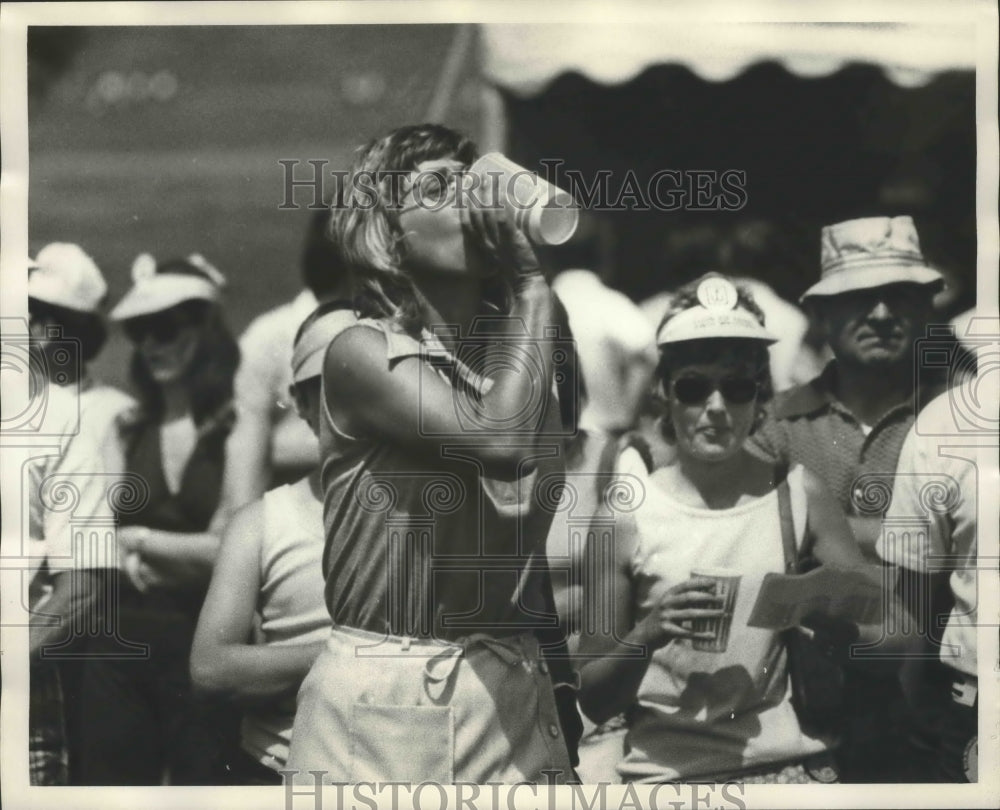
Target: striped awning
(525,58)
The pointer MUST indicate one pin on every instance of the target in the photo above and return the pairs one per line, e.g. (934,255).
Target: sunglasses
(696,388)
(161,330)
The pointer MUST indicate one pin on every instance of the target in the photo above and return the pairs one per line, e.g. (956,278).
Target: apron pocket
(402,744)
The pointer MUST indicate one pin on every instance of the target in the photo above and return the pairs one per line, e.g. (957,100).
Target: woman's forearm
(197,548)
(177,559)
(251,673)
(609,683)
(523,334)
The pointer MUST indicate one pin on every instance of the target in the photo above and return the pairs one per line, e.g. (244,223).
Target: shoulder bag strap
(787,526)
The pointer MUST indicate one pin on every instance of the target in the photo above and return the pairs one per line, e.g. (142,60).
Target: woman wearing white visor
(700,706)
(143,724)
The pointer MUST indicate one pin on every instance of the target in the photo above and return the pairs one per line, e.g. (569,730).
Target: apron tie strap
(440,668)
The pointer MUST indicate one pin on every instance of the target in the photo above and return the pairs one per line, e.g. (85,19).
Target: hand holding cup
(493,227)
(679,607)
(713,633)
(548,215)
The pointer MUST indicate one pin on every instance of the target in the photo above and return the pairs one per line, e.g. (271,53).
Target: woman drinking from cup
(436,428)
(142,723)
(706,696)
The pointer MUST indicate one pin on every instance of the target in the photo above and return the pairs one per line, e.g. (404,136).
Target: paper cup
(547,214)
(727,585)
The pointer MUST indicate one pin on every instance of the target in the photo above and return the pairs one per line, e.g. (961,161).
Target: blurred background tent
(168,139)
(829,121)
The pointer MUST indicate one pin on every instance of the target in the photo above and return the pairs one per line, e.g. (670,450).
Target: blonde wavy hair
(365,222)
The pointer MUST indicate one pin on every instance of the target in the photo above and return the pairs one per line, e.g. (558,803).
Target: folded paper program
(783,601)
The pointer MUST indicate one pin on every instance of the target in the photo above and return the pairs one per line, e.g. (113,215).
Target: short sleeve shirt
(612,337)
(931,524)
(87,466)
(265,373)
(808,425)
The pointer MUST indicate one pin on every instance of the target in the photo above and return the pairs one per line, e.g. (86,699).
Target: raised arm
(409,404)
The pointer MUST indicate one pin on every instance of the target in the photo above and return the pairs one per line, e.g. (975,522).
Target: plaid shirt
(48,757)
(808,425)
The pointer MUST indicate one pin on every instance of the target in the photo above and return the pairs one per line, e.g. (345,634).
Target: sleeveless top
(705,714)
(290,604)
(425,545)
(192,507)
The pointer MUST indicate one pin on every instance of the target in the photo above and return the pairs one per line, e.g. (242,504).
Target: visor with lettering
(699,323)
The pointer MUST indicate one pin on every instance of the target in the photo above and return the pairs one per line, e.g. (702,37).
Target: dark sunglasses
(696,388)
(162,330)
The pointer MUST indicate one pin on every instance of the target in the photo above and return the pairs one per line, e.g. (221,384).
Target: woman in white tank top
(695,713)
(270,565)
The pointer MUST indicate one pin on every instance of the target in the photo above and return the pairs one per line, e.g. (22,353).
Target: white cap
(65,276)
(717,315)
(154,291)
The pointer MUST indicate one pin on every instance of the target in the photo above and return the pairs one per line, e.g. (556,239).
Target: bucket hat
(861,254)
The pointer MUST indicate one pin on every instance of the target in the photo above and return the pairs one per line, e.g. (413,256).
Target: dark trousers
(139,721)
(942,732)
(874,735)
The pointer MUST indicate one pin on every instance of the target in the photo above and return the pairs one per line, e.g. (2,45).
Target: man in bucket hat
(873,300)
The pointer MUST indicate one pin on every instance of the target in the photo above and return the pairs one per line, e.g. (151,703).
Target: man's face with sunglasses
(712,406)
(167,342)
(875,328)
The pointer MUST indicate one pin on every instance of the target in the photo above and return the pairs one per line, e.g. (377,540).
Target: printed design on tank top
(700,713)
